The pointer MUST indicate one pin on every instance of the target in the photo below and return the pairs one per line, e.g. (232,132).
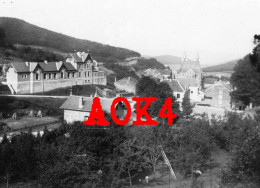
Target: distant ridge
(224,67)
(168,59)
(20,32)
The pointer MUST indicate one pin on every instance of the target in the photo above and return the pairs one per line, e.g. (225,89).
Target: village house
(36,77)
(160,74)
(126,84)
(177,88)
(78,108)
(193,87)
(218,95)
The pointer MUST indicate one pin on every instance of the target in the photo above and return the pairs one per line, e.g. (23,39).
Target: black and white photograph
(129,94)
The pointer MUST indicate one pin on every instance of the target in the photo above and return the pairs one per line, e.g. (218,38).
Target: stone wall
(71,116)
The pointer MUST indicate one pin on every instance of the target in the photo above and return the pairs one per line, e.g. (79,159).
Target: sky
(219,30)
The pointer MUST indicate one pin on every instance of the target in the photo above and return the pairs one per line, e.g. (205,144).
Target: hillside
(228,66)
(168,59)
(20,32)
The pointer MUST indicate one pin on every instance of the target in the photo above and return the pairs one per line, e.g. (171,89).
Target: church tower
(197,57)
(184,58)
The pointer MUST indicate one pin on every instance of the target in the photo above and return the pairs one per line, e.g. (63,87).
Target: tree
(150,139)
(2,36)
(246,77)
(6,152)
(148,87)
(245,80)
(186,105)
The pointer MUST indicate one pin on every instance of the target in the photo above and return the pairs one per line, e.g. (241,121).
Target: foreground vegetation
(118,156)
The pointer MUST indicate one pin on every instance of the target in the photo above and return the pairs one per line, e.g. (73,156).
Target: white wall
(71,116)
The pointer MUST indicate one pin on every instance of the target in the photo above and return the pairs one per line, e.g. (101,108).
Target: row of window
(98,80)
(54,75)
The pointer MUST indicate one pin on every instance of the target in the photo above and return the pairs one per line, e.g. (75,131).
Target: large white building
(36,77)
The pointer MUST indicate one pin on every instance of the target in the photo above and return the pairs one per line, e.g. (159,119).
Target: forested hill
(17,31)
(228,66)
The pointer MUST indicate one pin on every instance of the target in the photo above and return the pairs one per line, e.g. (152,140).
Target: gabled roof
(175,85)
(48,66)
(80,57)
(72,103)
(220,83)
(21,66)
(69,66)
(188,82)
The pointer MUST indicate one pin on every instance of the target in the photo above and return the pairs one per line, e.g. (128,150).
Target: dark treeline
(144,63)
(112,157)
(117,156)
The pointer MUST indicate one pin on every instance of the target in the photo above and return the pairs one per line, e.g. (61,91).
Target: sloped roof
(220,83)
(48,67)
(79,57)
(21,66)
(72,103)
(164,71)
(69,66)
(175,85)
(188,82)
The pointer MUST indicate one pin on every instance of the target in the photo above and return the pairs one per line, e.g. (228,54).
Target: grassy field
(80,90)
(27,122)
(209,178)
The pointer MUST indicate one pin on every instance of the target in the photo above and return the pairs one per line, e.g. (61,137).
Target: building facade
(218,95)
(77,108)
(160,74)
(37,77)
(177,88)
(189,74)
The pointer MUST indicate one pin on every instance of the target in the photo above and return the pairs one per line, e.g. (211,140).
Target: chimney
(115,78)
(129,78)
(45,61)
(79,54)
(27,63)
(80,102)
